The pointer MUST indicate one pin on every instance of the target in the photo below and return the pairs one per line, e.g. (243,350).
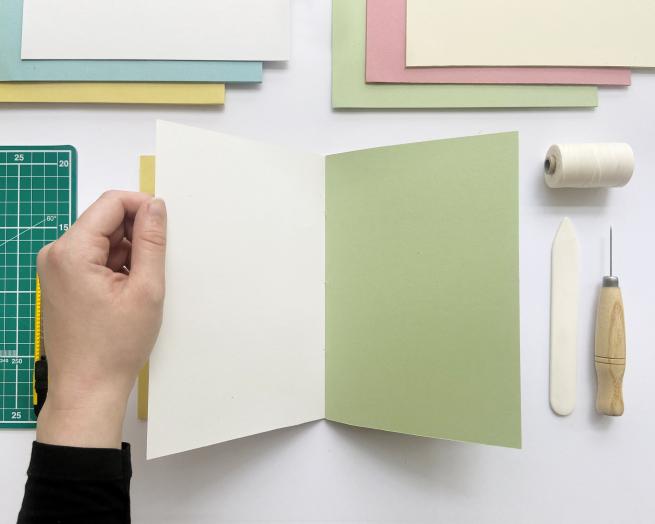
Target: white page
(530,33)
(241,350)
(156,29)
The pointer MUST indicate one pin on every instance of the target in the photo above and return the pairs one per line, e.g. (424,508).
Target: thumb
(149,246)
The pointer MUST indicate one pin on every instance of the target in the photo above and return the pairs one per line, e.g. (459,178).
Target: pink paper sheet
(385,59)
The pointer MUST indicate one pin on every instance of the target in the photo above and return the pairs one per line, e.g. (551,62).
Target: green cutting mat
(38,195)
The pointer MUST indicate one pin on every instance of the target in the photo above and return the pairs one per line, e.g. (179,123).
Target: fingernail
(157,208)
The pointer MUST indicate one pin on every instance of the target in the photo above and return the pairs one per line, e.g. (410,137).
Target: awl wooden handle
(610,351)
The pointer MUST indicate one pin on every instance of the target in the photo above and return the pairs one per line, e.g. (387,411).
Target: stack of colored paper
(136,51)
(478,53)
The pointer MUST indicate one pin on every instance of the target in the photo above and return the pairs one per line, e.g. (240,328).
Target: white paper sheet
(530,33)
(241,350)
(156,29)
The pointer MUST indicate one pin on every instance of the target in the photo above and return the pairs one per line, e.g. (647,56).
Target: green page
(350,90)
(422,289)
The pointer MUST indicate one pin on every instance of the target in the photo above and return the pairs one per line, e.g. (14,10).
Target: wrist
(91,421)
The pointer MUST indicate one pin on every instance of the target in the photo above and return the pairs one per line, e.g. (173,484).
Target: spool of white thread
(589,165)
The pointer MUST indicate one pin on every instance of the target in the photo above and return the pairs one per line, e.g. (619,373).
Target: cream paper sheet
(531,33)
(241,350)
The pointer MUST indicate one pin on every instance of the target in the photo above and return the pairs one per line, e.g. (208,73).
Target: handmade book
(375,288)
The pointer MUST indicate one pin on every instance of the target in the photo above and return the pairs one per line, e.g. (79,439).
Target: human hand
(100,321)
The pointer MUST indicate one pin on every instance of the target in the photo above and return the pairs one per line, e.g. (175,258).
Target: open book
(377,288)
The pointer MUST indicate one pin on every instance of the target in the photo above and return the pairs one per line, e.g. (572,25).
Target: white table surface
(584,468)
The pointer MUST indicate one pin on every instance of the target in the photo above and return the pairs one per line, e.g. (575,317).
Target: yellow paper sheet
(112,93)
(146,185)
(147,174)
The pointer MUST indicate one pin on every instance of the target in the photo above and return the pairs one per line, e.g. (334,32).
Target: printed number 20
(63,163)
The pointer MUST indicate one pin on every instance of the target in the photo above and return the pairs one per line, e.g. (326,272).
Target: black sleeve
(77,485)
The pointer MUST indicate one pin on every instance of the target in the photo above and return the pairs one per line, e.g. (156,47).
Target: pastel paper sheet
(13,69)
(156,30)
(350,90)
(385,59)
(602,33)
(112,93)
(241,349)
(422,245)
(422,289)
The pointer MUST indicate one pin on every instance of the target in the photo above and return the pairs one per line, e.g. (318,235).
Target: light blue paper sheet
(13,69)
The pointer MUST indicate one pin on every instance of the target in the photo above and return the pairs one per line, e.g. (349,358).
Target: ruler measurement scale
(38,203)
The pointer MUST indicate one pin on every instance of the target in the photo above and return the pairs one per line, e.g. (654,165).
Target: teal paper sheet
(13,69)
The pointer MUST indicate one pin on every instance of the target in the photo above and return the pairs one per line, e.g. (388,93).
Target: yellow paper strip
(112,93)
(37,334)
(147,175)
(146,185)
(142,393)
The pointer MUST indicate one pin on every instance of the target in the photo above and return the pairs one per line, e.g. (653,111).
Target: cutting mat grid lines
(37,205)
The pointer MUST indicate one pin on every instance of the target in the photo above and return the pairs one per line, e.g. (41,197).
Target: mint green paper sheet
(422,289)
(13,69)
(350,90)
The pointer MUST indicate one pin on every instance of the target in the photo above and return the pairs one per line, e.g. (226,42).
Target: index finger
(108,212)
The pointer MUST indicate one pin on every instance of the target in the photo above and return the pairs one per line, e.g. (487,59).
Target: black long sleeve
(77,485)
